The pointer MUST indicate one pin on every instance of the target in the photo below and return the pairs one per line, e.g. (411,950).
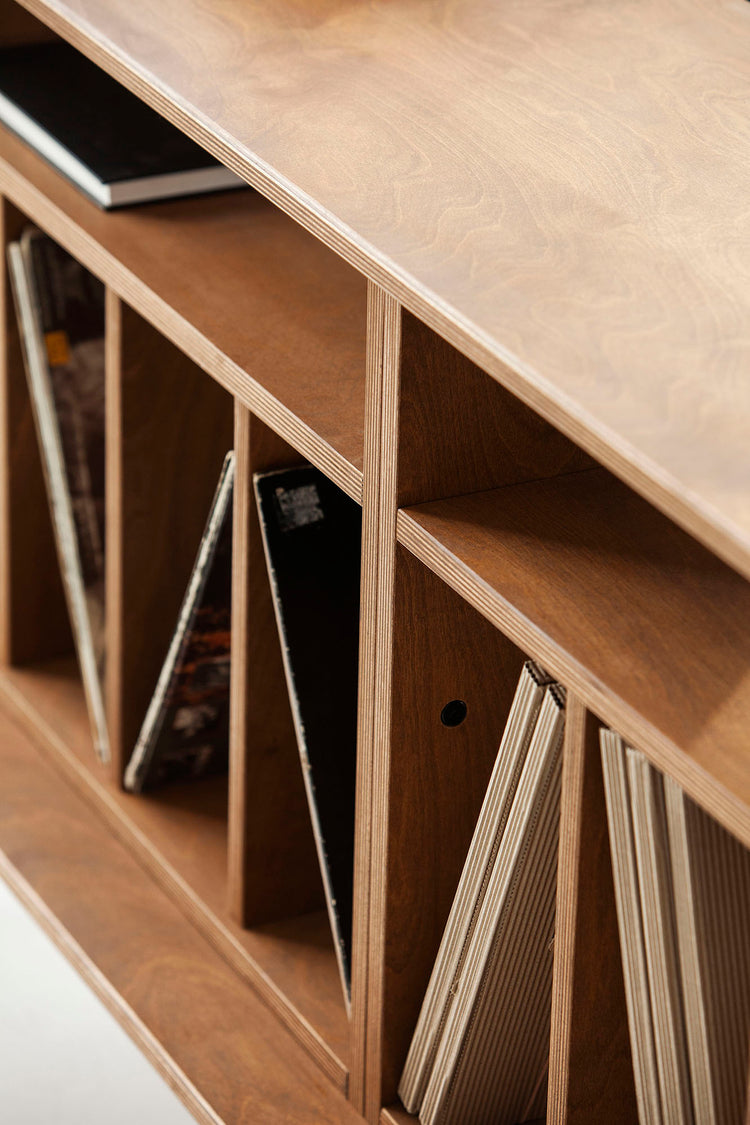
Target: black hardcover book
(185,733)
(312,532)
(106,140)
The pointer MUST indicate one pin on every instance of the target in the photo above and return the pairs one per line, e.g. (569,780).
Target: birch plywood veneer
(494,282)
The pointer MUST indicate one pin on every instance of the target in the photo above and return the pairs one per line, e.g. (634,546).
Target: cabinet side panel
(461,431)
(273,867)
(34,621)
(591,1069)
(169,426)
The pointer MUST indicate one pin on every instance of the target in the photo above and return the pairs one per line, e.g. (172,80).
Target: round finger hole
(454,713)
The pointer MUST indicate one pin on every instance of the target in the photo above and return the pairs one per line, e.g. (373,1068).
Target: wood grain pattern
(437,778)
(169,427)
(262,306)
(236,1058)
(631,613)
(560,193)
(34,621)
(179,835)
(274,871)
(591,1069)
(460,431)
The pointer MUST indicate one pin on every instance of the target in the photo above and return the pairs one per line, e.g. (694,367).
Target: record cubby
(542,472)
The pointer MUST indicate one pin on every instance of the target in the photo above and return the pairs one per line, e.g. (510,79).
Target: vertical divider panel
(376,608)
(34,621)
(168,428)
(591,1070)
(273,865)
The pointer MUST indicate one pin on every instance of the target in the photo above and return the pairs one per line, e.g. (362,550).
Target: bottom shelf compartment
(179,834)
(207,1032)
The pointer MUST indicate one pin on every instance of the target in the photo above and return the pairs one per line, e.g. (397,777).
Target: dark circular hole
(454,713)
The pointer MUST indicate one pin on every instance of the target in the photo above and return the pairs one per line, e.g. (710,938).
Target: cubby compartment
(275,875)
(454,677)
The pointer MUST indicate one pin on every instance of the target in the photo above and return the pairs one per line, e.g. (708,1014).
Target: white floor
(63,1058)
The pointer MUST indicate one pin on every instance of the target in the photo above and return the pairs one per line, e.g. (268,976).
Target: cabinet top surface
(559,187)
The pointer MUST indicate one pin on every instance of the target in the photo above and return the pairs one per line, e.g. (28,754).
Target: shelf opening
(438,781)
(294,715)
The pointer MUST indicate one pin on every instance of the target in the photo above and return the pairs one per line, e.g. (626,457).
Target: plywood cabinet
(493,283)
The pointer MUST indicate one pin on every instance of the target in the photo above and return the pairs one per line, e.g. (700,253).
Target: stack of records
(682,888)
(480,1048)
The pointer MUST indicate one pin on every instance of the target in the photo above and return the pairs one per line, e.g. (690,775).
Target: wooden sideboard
(494,282)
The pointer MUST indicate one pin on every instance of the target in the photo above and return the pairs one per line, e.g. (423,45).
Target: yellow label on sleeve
(58,349)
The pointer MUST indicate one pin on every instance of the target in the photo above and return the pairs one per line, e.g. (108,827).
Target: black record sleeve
(312,533)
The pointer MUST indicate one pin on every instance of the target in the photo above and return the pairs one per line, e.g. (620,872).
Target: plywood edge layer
(197,912)
(144,1039)
(711,525)
(729,809)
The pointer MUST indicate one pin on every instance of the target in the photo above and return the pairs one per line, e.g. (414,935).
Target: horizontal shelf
(396,1115)
(216,1043)
(568,218)
(252,298)
(633,615)
(180,835)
